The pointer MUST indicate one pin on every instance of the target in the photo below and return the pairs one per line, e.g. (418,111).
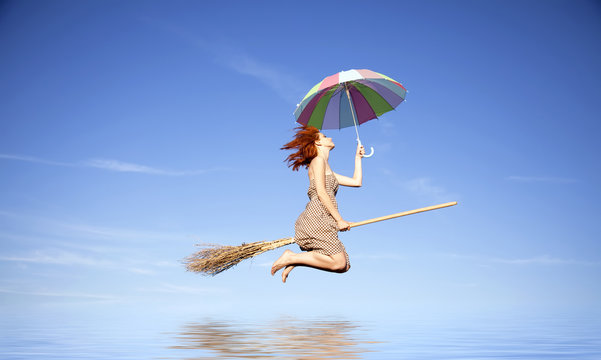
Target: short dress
(315,229)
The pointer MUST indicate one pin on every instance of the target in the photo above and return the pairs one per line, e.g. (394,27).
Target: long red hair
(304,146)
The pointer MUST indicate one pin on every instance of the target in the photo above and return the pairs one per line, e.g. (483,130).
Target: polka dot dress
(315,229)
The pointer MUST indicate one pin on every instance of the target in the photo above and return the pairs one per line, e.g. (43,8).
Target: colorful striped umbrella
(349,98)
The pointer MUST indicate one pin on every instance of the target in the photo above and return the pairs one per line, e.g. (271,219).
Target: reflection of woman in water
(287,337)
(316,229)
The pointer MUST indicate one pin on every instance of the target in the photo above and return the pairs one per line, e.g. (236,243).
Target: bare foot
(281,262)
(286,271)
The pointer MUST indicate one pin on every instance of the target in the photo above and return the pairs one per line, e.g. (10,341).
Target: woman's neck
(323,152)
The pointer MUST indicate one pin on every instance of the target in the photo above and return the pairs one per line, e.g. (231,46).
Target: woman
(316,229)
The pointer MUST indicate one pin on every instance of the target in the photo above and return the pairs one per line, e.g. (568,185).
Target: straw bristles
(217,258)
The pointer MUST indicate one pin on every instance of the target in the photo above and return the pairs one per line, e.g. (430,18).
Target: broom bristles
(218,258)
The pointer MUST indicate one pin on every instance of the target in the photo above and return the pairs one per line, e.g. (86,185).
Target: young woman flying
(316,229)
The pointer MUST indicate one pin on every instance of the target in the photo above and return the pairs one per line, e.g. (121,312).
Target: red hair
(304,144)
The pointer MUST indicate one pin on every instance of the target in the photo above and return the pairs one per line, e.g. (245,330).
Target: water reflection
(285,338)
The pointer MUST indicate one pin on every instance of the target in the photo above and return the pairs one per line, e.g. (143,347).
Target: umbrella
(349,98)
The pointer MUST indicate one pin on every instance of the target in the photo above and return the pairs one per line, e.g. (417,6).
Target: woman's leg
(335,263)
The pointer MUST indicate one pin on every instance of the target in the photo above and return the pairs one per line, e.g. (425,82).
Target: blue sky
(131,131)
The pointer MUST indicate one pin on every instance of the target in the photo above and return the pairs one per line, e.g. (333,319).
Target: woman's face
(325,141)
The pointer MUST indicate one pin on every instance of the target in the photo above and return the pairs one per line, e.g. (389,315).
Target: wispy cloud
(34,160)
(63,243)
(113,165)
(539,179)
(57,257)
(533,260)
(422,187)
(59,229)
(545,260)
(380,256)
(284,84)
(142,271)
(120,166)
(104,232)
(464,285)
(180,289)
(425,187)
(61,294)
(77,260)
(234,57)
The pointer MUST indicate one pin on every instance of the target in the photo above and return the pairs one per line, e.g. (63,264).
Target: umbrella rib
(350,102)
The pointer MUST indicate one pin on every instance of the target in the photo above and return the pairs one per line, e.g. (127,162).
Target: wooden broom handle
(405,213)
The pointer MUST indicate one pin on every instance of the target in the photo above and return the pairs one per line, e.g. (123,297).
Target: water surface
(291,337)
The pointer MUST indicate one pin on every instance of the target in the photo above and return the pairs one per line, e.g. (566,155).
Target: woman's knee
(340,264)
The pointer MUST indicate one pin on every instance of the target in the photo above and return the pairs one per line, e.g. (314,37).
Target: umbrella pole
(350,102)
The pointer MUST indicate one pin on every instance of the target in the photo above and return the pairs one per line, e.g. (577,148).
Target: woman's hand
(343,225)
(360,150)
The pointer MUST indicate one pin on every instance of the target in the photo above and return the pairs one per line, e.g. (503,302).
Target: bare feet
(281,262)
(286,271)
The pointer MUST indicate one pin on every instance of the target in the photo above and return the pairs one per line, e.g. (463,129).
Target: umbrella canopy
(349,98)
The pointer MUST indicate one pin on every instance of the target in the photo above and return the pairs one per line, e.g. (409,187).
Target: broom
(217,258)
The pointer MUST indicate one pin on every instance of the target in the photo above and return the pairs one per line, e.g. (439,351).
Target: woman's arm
(318,167)
(357,178)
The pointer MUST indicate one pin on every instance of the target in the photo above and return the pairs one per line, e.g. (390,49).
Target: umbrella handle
(366,155)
